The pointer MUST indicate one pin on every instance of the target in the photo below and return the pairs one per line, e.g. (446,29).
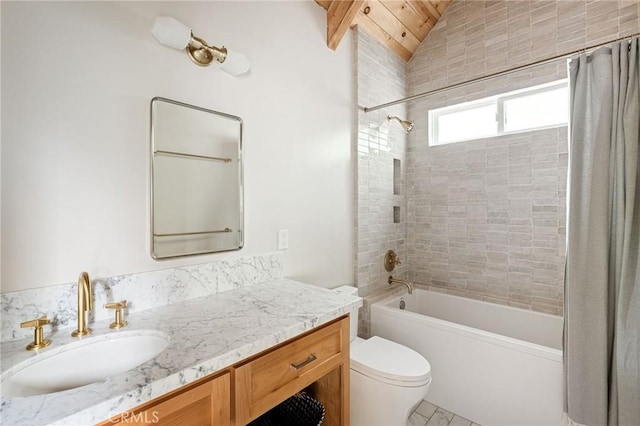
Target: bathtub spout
(392,280)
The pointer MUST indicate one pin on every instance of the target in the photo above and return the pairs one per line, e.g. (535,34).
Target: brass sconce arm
(173,33)
(202,54)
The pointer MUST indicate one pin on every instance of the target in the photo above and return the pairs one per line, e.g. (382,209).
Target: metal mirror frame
(152,182)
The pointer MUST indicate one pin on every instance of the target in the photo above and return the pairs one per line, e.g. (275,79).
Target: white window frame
(498,100)
(434,114)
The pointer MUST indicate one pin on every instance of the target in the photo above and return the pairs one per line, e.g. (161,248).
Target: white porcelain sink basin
(80,363)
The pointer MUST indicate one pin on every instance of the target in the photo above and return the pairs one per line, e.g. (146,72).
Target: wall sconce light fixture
(173,33)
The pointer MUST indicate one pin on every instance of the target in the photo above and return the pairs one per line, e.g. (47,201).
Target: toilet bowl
(388,380)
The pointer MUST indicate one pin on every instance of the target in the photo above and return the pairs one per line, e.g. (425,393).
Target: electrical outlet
(283,239)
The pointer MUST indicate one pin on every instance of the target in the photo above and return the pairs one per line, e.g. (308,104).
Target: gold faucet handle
(118,306)
(36,322)
(38,335)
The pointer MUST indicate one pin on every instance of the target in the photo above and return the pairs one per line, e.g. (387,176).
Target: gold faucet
(85,303)
(392,280)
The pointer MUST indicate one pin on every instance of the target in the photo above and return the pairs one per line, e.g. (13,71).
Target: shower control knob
(391,259)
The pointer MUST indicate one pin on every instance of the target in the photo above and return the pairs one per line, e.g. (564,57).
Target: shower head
(407,125)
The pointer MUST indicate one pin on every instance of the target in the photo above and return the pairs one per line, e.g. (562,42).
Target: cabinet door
(206,403)
(272,377)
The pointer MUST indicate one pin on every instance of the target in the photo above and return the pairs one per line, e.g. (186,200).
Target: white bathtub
(493,364)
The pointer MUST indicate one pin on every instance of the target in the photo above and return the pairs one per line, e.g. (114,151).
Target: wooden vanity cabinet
(319,358)
(203,403)
(317,361)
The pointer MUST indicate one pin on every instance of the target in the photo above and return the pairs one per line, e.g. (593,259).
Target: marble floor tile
(426,409)
(428,414)
(417,420)
(459,421)
(440,418)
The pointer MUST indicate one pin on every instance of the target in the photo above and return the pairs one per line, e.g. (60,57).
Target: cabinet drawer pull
(311,358)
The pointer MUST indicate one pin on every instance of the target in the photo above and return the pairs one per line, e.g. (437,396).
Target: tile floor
(428,414)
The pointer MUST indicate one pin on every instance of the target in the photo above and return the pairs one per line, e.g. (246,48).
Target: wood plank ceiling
(401,25)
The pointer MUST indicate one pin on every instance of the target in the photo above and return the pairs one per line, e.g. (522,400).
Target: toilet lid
(378,357)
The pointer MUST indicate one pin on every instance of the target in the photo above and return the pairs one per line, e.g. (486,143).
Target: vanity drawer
(270,378)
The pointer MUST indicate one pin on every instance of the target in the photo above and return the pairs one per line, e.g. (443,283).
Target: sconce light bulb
(171,32)
(235,63)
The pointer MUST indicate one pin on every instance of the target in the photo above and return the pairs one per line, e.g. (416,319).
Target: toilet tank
(353,315)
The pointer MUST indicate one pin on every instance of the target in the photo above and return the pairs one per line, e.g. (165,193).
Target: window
(524,110)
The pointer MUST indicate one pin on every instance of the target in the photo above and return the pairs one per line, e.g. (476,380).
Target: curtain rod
(496,74)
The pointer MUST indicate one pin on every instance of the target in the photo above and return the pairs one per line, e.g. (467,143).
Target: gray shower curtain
(602,280)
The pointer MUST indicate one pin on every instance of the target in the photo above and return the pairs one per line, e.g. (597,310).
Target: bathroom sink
(81,363)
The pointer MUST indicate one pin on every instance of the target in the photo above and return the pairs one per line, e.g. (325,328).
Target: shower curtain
(602,280)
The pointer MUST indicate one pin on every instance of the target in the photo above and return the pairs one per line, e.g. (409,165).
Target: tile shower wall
(486,218)
(380,76)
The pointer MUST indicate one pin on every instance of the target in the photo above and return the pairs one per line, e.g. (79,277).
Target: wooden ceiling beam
(324,3)
(340,17)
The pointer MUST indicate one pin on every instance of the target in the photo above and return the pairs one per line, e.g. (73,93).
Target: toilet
(388,380)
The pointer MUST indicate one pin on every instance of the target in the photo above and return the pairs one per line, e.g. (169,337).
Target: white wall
(77,79)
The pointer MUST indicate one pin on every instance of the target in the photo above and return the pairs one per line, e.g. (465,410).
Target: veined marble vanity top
(206,334)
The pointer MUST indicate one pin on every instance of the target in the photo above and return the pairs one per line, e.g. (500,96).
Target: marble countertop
(206,335)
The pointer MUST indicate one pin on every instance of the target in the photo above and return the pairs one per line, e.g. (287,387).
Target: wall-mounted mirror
(196,180)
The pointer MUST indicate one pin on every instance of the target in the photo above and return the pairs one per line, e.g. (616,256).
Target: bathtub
(493,364)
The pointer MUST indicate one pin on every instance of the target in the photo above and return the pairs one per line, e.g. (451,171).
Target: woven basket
(299,410)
